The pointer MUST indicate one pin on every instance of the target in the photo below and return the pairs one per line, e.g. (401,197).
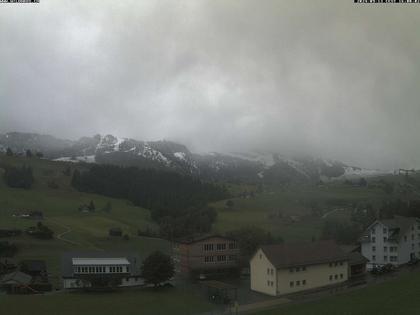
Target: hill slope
(251,167)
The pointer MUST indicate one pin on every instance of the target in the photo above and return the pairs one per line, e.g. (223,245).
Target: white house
(391,241)
(289,268)
(88,269)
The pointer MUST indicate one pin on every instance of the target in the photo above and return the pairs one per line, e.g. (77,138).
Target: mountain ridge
(272,168)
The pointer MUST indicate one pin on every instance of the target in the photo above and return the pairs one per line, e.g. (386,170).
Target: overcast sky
(327,78)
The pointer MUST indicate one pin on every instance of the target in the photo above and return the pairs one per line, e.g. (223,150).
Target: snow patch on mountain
(351,171)
(149,153)
(180,156)
(77,159)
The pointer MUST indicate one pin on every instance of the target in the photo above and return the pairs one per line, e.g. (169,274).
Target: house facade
(391,241)
(290,268)
(100,269)
(207,255)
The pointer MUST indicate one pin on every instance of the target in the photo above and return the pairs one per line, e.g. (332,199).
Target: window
(331,264)
(335,277)
(268,283)
(290,269)
(303,268)
(291,284)
(209,247)
(232,245)
(373,248)
(384,231)
(385,249)
(208,259)
(373,258)
(341,276)
(331,277)
(373,239)
(393,258)
(221,258)
(373,231)
(384,238)
(336,264)
(341,263)
(303,282)
(298,283)
(412,246)
(221,246)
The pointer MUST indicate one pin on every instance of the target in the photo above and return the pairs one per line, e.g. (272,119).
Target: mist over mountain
(267,167)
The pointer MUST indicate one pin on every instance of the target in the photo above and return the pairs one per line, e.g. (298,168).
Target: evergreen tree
(28,153)
(9,152)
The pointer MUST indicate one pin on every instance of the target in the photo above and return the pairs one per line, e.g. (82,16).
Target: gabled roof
(300,254)
(398,226)
(16,277)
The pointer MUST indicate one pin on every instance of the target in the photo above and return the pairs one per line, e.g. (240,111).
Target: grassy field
(127,302)
(400,296)
(84,231)
(262,209)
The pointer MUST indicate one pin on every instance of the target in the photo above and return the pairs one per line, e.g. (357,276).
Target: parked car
(388,268)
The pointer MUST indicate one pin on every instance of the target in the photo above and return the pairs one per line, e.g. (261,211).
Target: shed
(17,282)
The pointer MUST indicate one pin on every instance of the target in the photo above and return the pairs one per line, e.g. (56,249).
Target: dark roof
(398,226)
(356,258)
(16,277)
(199,238)
(298,254)
(350,248)
(34,265)
(67,265)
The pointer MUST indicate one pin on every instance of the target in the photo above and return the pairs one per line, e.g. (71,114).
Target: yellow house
(289,268)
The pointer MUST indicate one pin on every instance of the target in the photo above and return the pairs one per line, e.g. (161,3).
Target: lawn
(399,296)
(127,302)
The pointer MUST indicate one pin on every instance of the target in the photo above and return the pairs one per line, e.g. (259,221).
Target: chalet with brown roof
(289,268)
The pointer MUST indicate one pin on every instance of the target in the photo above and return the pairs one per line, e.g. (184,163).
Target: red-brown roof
(300,254)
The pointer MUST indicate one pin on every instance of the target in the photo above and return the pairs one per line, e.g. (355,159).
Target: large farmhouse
(391,241)
(212,255)
(288,268)
(100,269)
